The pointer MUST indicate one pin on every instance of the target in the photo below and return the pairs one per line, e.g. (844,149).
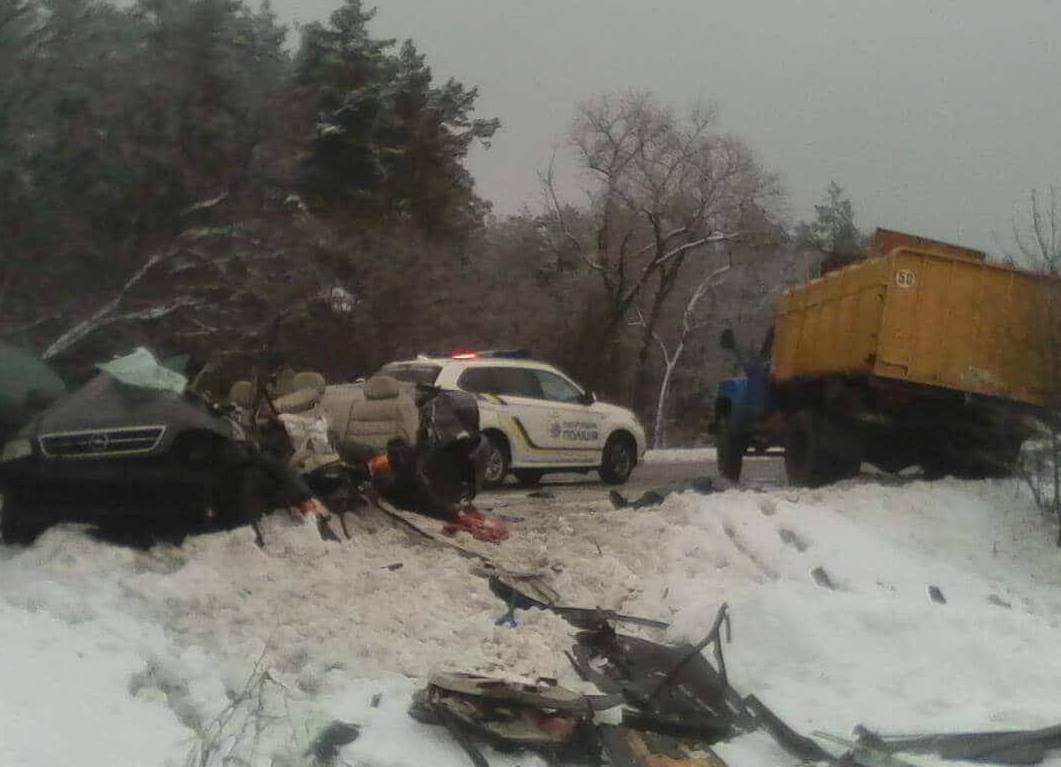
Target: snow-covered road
(118,656)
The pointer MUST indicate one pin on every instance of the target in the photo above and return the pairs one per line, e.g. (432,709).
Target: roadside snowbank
(681,455)
(829,591)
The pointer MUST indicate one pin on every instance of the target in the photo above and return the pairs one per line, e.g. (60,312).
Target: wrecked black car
(124,448)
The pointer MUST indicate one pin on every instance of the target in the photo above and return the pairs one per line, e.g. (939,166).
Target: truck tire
(949,455)
(730,450)
(820,450)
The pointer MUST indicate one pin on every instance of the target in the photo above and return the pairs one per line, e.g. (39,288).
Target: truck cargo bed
(926,313)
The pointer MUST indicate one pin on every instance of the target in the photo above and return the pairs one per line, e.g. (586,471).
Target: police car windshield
(417,374)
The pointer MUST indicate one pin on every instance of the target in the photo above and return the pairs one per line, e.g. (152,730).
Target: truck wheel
(819,450)
(618,459)
(20,520)
(730,450)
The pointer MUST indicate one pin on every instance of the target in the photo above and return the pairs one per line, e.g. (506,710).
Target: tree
(833,230)
(672,355)
(387,141)
(1038,241)
(664,187)
(1038,244)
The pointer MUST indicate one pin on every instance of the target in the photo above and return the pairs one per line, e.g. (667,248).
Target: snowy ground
(114,656)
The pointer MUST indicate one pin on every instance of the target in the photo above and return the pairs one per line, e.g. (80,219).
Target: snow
(131,656)
(681,455)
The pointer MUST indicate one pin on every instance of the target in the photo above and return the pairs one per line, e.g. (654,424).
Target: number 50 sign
(905,278)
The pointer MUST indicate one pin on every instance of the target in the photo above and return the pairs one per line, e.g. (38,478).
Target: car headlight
(16,449)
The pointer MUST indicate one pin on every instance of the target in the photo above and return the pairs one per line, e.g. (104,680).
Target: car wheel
(528,477)
(20,520)
(497,461)
(618,459)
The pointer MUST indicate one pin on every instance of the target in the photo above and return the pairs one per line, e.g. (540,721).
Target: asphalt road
(759,471)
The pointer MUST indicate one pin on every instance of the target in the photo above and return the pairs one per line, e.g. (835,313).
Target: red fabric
(479,526)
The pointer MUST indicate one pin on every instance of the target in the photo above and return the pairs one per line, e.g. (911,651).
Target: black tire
(618,459)
(20,520)
(497,461)
(730,450)
(819,450)
(962,457)
(528,477)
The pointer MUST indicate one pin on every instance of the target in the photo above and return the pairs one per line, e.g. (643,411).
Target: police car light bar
(508,354)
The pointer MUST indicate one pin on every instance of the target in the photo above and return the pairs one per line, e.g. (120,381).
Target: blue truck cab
(742,405)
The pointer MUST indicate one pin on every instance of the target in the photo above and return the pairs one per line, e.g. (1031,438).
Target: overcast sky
(937,116)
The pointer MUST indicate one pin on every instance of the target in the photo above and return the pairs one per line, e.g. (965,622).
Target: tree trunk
(661,409)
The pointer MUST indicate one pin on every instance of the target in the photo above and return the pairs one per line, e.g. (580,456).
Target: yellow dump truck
(922,353)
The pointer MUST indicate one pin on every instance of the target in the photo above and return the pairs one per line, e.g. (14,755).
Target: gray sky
(937,116)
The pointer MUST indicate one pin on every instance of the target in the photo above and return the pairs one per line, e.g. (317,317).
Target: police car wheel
(496,461)
(618,459)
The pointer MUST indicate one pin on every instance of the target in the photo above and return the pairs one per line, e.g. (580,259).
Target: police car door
(529,418)
(564,423)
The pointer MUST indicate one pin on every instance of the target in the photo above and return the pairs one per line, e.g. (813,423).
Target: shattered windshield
(521,384)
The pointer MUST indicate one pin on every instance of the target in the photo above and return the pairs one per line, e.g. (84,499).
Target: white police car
(537,419)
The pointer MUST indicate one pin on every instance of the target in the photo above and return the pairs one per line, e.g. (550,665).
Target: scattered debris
(394,566)
(673,690)
(545,494)
(995,599)
(526,591)
(937,595)
(630,748)
(1008,747)
(799,746)
(509,715)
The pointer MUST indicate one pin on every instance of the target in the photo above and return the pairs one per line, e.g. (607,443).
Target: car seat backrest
(388,411)
(241,393)
(307,393)
(336,402)
(309,379)
(283,384)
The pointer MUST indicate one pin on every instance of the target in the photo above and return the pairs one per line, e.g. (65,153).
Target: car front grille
(102,443)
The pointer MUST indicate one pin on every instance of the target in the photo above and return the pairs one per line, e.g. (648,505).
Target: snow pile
(829,590)
(833,619)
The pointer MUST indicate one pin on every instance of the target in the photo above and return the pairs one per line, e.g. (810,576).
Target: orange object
(379,465)
(479,526)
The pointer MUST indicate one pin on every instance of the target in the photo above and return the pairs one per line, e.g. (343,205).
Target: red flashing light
(464,356)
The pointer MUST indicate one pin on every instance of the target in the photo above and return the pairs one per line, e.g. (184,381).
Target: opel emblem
(98,442)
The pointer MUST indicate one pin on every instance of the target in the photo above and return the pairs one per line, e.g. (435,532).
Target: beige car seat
(241,393)
(336,404)
(387,411)
(307,391)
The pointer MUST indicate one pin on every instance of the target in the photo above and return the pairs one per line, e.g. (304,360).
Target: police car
(536,418)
